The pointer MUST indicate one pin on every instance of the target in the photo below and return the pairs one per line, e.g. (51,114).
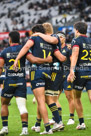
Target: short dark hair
(15,36)
(27,34)
(81,27)
(38,28)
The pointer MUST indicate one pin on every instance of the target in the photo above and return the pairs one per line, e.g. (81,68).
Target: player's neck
(81,34)
(63,45)
(13,44)
(48,34)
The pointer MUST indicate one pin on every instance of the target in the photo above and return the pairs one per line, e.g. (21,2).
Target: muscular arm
(47,38)
(22,52)
(37,60)
(59,56)
(74,57)
(25,49)
(1,65)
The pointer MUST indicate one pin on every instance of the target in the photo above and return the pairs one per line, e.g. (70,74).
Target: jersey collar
(14,44)
(83,35)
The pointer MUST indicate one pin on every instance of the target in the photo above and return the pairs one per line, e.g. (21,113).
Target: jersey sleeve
(29,52)
(56,47)
(75,43)
(32,38)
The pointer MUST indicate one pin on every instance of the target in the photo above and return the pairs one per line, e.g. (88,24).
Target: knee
(21,103)
(69,98)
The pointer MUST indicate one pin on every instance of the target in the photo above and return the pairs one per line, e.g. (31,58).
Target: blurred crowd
(63,6)
(18,17)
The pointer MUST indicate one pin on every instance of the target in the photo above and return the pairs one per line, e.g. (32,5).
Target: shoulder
(35,38)
(76,42)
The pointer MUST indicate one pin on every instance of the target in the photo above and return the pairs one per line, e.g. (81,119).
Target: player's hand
(49,59)
(15,66)
(71,76)
(69,46)
(36,34)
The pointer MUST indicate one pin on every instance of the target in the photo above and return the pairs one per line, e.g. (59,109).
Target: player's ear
(10,41)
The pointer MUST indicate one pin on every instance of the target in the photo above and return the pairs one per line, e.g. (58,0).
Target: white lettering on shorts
(40,84)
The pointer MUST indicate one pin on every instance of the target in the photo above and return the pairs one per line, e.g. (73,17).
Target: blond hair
(48,28)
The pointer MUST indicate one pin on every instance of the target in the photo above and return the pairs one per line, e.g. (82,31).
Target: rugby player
(38,85)
(67,86)
(52,91)
(41,49)
(81,68)
(15,83)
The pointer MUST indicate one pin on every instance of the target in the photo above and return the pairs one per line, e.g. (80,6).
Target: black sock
(5,121)
(55,112)
(71,116)
(47,127)
(81,120)
(24,124)
(60,112)
(38,122)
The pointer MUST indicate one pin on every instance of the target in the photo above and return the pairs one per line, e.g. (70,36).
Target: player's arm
(74,58)
(23,51)
(47,38)
(1,65)
(59,56)
(37,60)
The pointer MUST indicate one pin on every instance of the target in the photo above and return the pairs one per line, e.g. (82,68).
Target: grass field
(15,122)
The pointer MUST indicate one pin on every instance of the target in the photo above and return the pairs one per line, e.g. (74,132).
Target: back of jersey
(41,48)
(84,58)
(9,55)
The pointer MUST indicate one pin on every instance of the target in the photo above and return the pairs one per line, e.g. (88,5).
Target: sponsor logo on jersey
(15,74)
(8,55)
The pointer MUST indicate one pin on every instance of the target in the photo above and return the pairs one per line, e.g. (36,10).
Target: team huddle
(55,66)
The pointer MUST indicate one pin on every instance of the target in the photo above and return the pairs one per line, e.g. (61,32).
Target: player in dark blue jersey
(39,48)
(51,91)
(15,84)
(66,69)
(39,76)
(81,64)
(2,78)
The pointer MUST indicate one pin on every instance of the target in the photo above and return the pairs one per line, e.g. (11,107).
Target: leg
(4,114)
(70,98)
(51,102)
(89,95)
(40,97)
(59,105)
(21,103)
(36,127)
(78,104)
(79,109)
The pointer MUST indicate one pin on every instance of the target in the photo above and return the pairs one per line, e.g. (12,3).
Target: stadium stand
(22,15)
